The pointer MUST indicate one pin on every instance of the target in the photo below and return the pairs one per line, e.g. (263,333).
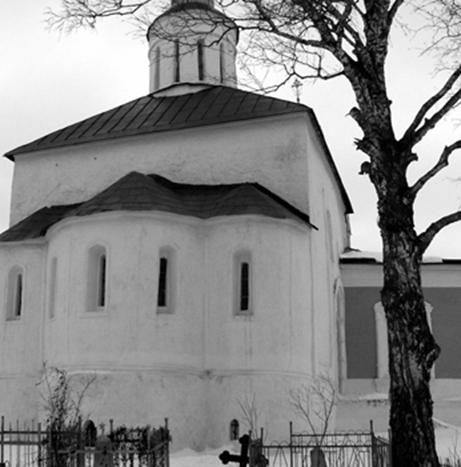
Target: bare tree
(315,403)
(325,39)
(251,413)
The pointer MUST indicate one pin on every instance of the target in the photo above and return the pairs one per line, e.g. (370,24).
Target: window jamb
(165,281)
(177,63)
(97,279)
(221,63)
(15,294)
(157,68)
(243,284)
(201,60)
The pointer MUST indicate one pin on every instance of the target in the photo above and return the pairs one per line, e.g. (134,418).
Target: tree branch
(393,11)
(425,238)
(441,164)
(411,136)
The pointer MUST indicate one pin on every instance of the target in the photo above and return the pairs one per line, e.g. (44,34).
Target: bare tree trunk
(412,348)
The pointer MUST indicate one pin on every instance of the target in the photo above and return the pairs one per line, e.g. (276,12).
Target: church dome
(192,43)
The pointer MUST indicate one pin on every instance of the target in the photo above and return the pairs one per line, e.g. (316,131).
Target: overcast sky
(48,81)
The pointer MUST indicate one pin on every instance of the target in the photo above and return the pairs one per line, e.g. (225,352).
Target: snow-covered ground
(448,447)
(190,458)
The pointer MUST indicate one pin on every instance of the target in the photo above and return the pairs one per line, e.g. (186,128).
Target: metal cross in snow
(225,457)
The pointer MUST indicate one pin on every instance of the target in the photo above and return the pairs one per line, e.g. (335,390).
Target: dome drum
(192,44)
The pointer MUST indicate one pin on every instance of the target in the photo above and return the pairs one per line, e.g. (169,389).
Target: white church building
(191,249)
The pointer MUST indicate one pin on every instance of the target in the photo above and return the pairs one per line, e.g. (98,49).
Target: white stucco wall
(193,365)
(20,339)
(271,151)
(327,212)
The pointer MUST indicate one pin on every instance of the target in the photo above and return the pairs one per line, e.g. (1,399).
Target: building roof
(139,192)
(151,114)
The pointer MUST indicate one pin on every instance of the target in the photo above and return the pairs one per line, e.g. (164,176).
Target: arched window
(177,62)
(97,278)
(200,59)
(157,68)
(234,430)
(242,283)
(15,293)
(89,434)
(52,287)
(382,354)
(165,289)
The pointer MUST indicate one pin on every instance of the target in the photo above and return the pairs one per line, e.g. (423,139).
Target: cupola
(191,45)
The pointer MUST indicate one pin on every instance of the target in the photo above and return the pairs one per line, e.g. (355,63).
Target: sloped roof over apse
(139,192)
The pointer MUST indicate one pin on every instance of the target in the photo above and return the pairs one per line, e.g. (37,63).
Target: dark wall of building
(361,330)
(446,325)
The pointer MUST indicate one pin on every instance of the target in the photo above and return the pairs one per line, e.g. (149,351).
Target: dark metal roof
(138,192)
(150,114)
(36,225)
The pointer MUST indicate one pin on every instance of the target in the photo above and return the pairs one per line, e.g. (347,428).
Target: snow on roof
(353,255)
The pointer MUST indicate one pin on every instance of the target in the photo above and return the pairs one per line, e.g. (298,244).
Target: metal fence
(362,449)
(24,445)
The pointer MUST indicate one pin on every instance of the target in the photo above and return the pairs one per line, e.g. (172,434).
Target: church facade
(185,247)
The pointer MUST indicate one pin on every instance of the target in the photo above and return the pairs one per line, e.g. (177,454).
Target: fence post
(39,444)
(2,443)
(389,449)
(291,444)
(373,445)
(167,432)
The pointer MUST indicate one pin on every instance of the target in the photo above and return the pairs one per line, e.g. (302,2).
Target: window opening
(234,430)
(157,68)
(102,281)
(177,71)
(221,63)
(89,430)
(18,296)
(15,293)
(200,57)
(97,278)
(162,282)
(244,286)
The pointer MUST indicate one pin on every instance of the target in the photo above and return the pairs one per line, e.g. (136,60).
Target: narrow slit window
(244,286)
(102,281)
(18,296)
(243,300)
(97,279)
(201,64)
(221,63)
(162,283)
(15,291)
(157,68)
(177,69)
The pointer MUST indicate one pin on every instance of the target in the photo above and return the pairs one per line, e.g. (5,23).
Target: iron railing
(31,445)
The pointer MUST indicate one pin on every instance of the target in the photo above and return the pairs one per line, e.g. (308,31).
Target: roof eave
(23,149)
